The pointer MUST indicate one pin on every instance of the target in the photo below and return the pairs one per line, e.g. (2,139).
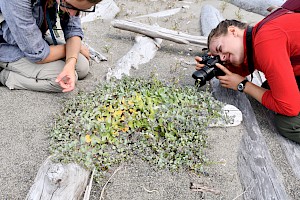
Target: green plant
(160,123)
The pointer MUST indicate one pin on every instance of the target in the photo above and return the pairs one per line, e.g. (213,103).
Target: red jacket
(274,44)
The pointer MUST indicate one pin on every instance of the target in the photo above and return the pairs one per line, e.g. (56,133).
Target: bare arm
(231,80)
(66,78)
(56,52)
(255,91)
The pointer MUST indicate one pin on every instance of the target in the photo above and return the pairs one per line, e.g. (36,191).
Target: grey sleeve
(73,28)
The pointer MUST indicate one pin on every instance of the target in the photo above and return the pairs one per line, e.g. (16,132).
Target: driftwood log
(55,181)
(159,32)
(209,19)
(290,149)
(258,174)
(256,6)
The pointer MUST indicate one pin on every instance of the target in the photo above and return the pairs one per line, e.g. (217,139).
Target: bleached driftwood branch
(161,13)
(142,51)
(95,55)
(55,181)
(159,32)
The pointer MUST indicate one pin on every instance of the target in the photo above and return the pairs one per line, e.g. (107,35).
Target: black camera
(209,71)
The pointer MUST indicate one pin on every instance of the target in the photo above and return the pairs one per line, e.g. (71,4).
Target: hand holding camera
(207,70)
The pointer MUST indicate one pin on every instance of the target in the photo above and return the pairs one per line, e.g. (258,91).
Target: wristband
(241,85)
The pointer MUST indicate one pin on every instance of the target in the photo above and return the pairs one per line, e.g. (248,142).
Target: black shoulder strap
(38,2)
(249,49)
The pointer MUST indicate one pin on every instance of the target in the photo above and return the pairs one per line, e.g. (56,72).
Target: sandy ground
(26,116)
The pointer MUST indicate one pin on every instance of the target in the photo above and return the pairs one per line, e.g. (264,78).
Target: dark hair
(222,28)
(94,1)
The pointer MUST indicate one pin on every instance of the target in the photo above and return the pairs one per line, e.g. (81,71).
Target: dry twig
(201,188)
(149,191)
(89,187)
(102,192)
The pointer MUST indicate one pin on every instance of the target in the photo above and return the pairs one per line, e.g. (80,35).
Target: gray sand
(27,116)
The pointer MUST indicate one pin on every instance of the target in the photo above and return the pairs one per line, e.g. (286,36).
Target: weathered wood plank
(55,181)
(290,148)
(292,153)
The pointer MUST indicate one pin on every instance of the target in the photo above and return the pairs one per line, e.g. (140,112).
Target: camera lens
(203,75)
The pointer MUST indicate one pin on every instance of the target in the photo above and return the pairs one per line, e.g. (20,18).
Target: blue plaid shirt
(21,29)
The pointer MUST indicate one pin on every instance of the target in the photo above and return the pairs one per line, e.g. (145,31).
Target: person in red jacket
(273,45)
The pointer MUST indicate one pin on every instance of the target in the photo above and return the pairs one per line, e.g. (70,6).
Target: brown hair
(222,28)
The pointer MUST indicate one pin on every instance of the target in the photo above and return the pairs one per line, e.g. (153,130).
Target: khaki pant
(288,127)
(23,74)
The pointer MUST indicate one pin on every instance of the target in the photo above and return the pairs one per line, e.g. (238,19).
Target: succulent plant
(160,123)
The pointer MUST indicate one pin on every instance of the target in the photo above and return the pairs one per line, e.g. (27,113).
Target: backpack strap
(295,60)
(50,27)
(293,5)
(277,13)
(249,49)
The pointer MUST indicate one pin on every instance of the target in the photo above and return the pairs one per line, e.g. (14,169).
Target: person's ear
(232,30)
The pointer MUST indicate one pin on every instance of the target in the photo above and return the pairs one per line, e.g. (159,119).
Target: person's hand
(66,79)
(230,80)
(198,64)
(198,60)
(84,50)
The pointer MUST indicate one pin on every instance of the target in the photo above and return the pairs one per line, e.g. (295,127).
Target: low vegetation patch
(159,123)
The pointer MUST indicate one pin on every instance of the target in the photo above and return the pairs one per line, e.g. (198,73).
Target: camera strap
(249,50)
